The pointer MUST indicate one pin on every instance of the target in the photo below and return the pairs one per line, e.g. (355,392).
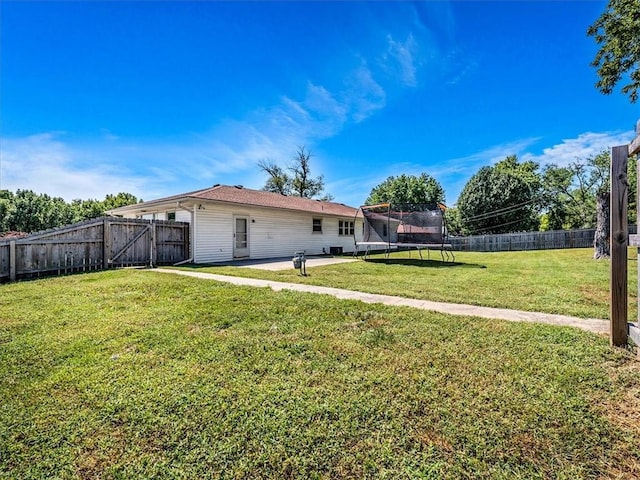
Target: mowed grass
(135,374)
(567,282)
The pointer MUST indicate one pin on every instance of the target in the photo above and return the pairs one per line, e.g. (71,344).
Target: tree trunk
(601,239)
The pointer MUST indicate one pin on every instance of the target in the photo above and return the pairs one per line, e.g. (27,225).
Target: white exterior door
(240,237)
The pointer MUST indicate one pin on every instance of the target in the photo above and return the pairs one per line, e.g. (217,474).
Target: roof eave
(154,206)
(151,205)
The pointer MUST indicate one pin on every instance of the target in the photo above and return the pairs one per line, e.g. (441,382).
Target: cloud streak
(46,164)
(228,151)
(585,145)
(454,173)
(400,57)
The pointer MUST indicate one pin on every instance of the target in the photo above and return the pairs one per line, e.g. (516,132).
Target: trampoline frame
(446,249)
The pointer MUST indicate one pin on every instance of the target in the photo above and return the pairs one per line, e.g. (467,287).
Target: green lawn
(568,282)
(135,374)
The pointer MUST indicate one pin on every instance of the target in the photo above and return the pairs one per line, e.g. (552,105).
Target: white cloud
(582,147)
(45,164)
(457,65)
(454,174)
(400,58)
(363,95)
(489,156)
(324,105)
(61,165)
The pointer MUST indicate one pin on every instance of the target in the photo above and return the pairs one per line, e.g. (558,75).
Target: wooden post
(12,261)
(154,244)
(634,329)
(106,243)
(619,242)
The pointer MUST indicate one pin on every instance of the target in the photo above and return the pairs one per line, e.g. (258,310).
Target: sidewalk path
(589,324)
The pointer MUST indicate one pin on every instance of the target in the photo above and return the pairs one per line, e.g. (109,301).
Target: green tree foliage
(452,219)
(121,199)
(570,192)
(6,209)
(616,31)
(32,212)
(501,199)
(409,189)
(278,181)
(300,183)
(27,211)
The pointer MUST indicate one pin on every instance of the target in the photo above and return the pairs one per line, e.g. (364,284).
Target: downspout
(192,235)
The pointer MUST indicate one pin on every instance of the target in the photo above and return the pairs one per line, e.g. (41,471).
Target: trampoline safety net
(403,223)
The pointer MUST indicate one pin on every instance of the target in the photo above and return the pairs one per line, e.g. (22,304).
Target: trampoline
(391,227)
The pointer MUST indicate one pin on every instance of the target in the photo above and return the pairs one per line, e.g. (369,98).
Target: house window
(171,216)
(384,230)
(345,228)
(317,225)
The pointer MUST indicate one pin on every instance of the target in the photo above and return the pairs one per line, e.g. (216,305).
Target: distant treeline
(27,211)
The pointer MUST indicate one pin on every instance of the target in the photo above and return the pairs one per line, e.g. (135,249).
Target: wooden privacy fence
(96,244)
(506,242)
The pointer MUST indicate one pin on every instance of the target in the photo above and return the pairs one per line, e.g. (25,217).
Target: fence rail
(527,241)
(96,244)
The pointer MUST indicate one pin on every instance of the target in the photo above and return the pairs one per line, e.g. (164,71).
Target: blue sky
(159,98)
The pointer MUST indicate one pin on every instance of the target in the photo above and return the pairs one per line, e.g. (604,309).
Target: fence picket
(93,245)
(555,239)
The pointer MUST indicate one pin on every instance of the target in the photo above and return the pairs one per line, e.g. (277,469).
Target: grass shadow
(417,262)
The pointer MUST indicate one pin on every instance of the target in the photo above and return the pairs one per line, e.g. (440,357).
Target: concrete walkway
(589,324)
(284,263)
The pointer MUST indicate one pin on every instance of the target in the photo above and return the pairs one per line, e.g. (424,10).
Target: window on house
(317,225)
(384,230)
(171,216)
(345,227)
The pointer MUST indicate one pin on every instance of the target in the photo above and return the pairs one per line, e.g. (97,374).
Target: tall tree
(501,199)
(278,181)
(7,203)
(577,196)
(601,238)
(121,199)
(409,189)
(32,212)
(452,217)
(301,183)
(86,209)
(570,192)
(27,211)
(617,33)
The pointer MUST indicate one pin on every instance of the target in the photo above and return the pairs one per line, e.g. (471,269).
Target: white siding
(214,235)
(272,233)
(183,216)
(280,234)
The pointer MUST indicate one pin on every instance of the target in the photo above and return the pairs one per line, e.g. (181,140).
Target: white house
(231,222)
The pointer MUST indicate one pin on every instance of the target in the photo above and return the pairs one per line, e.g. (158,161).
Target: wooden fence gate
(96,244)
